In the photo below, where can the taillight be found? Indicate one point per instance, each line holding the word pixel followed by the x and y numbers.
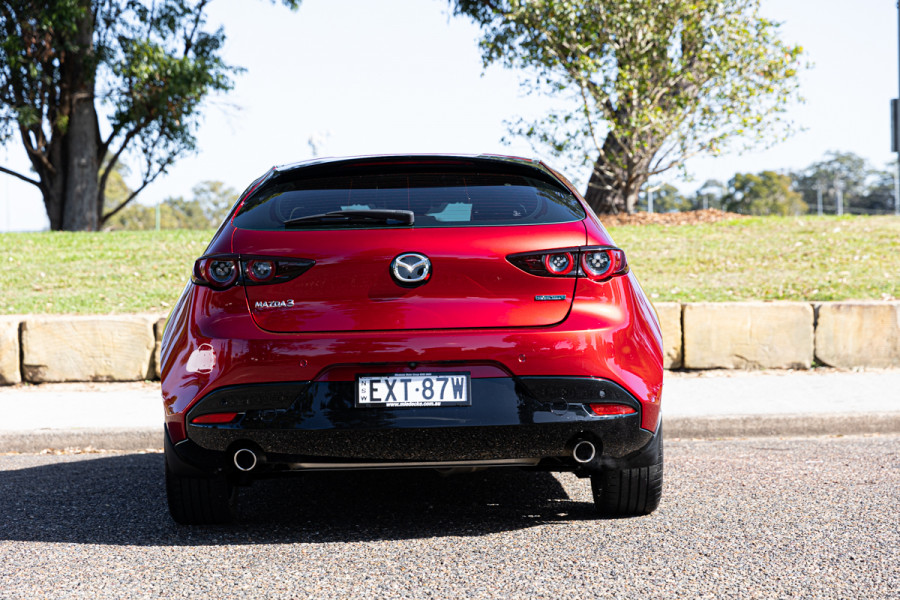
pixel 602 264
pixel 597 263
pixel 560 263
pixel 260 271
pixel 221 271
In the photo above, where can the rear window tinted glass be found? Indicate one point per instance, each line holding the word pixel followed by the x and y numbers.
pixel 436 199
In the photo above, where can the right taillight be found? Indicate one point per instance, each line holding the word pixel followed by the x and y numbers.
pixel 603 263
pixel 221 271
pixel 596 263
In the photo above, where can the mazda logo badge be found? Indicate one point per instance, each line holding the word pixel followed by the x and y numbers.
pixel 411 269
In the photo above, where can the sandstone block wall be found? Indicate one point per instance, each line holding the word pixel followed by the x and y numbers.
pixel 114 348
pixel 10 372
pixel 739 335
pixel 858 334
pixel 670 322
pixel 748 335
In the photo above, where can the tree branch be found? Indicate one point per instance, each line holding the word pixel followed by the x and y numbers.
pixel 131 197
pixel 189 39
pixel 20 176
pixel 110 165
pixel 147 181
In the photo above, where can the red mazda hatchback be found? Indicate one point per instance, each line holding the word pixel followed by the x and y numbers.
pixel 395 312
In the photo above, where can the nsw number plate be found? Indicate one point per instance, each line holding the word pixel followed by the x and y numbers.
pixel 413 389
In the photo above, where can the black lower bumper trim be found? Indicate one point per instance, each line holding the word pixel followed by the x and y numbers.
pixel 509 419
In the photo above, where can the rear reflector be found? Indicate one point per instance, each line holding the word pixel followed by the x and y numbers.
pixel 605 410
pixel 214 418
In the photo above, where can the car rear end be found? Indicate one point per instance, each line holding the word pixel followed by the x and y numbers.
pixel 406 312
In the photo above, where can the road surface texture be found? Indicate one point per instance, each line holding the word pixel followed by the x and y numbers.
pixel 741 518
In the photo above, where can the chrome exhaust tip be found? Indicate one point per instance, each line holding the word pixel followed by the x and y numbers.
pixel 584 452
pixel 245 459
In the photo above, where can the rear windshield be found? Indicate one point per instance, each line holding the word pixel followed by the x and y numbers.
pixel 436 199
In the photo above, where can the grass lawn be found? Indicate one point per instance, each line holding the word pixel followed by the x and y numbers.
pixel 96 273
pixel 765 258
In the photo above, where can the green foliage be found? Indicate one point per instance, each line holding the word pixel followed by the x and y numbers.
pixel 648 83
pixel 147 66
pixel 865 189
pixel 709 195
pixel 767 193
pixel 666 198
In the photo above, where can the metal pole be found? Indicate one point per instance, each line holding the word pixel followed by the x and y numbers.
pixel 819 188
pixel 839 189
pixel 897 188
pixel 650 200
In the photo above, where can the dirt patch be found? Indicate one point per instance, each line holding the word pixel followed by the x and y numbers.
pixel 692 217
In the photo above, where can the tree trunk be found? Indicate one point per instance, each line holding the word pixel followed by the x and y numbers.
pixel 69 183
pixel 602 193
pixel 615 180
pixel 80 212
pixel 81 137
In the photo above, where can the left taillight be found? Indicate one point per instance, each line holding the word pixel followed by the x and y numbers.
pixel 597 263
pixel 221 271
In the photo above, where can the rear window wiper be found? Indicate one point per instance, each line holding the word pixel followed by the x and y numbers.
pixel 394 218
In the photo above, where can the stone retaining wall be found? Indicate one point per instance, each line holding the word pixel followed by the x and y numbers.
pixel 739 335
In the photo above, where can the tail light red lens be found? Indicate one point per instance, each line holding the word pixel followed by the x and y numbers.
pixel 222 273
pixel 561 263
pixel 260 271
pixel 607 410
pixel 225 270
pixel 597 263
pixel 602 264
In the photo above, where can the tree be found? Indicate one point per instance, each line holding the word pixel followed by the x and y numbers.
pixel 666 198
pixel 210 203
pixel 879 196
pixel 768 193
pixel 845 169
pixel 145 66
pixel 709 195
pixel 215 199
pixel 654 82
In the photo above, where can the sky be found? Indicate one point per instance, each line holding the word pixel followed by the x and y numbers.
pixel 395 76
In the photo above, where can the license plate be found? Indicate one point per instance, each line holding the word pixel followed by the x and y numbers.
pixel 414 389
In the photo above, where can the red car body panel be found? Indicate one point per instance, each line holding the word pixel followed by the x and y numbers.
pixel 350 287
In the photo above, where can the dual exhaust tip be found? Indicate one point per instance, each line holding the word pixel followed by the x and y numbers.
pixel 584 451
pixel 245 460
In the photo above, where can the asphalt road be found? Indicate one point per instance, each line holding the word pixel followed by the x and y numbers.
pixel 752 518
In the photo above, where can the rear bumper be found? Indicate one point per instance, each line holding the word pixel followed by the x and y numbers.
pixel 526 421
pixel 212 345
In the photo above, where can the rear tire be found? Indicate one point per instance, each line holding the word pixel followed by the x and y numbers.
pixel 629 492
pixel 200 500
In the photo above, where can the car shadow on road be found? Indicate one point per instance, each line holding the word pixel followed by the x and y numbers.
pixel 120 500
